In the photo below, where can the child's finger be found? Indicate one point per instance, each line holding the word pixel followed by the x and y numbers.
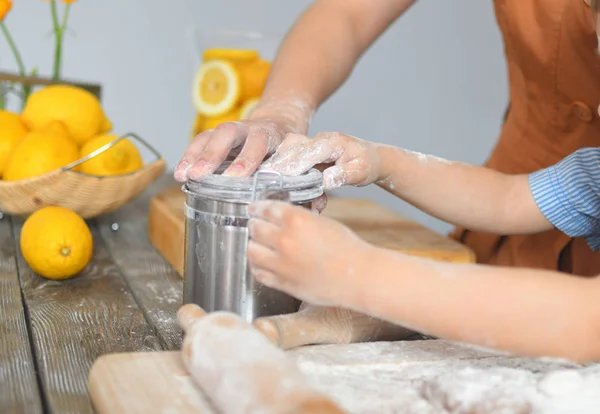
pixel 319 204
pixel 265 277
pixel 344 174
pixel 290 141
pixel 264 233
pixel 268 210
pixel 260 257
pixel 301 158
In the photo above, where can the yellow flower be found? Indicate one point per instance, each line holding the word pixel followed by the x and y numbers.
pixel 5 6
pixel 64 1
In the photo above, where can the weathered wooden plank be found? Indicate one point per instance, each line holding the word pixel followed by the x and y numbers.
pixel 156 286
pixel 19 392
pixel 75 321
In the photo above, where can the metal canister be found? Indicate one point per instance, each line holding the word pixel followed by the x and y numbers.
pixel 216 273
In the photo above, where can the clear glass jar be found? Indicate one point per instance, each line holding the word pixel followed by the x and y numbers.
pixel 231 71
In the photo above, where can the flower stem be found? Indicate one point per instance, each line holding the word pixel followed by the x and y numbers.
pixel 27 88
pixel 3 93
pixel 20 65
pixel 65 17
pixel 13 47
pixel 59 33
pixel 58 41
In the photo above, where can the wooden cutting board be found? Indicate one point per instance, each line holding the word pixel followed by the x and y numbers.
pixel 371 221
pixel 377 377
pixel 157 382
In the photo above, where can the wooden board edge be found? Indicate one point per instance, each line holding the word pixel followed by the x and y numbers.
pixel 99 395
pixel 158 209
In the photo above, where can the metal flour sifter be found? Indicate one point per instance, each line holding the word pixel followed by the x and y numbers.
pixel 216 273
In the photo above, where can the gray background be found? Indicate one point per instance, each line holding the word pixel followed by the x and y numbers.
pixel 435 82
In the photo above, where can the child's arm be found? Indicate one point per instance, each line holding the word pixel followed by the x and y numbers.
pixel 565 195
pixel 474 197
pixel 526 311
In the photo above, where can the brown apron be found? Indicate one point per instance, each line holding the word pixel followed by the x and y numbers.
pixel 554 86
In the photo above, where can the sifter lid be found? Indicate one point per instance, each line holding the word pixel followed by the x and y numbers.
pixel 301 188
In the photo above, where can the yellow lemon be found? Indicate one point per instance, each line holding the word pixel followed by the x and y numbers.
pixel 233 55
pixel 12 130
pixel 212 122
pixel 56 243
pixel 56 128
pixel 247 107
pixel 216 88
pixel 121 158
pixel 39 153
pixel 78 110
pixel 253 77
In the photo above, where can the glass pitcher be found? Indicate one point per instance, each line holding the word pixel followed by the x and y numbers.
pixel 230 74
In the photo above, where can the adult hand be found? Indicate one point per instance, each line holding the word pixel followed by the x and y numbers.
pixel 250 140
pixel 313 258
pixel 344 159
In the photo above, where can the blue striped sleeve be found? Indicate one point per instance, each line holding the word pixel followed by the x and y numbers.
pixel 568 194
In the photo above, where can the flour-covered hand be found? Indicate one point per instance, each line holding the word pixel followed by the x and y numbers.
pixel 344 159
pixel 250 140
pixel 313 258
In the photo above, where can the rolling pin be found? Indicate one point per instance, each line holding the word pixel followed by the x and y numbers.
pixel 241 371
pixel 313 325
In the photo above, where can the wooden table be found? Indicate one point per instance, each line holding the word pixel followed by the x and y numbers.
pixel 126 301
pixel 51 332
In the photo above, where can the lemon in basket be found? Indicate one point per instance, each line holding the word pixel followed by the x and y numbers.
pixel 216 88
pixel 39 153
pixel 12 130
pixel 79 111
pixel 122 158
pixel 56 242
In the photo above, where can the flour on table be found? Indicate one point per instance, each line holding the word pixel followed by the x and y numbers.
pixel 427 377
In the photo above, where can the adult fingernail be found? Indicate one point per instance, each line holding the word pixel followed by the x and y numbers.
pixel 235 170
pixel 181 170
pixel 198 170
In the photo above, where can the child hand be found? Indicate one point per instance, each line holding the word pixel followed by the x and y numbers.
pixel 310 257
pixel 345 160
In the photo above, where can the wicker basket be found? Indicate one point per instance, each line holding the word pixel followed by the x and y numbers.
pixel 87 195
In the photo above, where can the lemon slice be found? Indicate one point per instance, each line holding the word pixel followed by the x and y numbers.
pixel 216 88
pixel 254 77
pixel 247 107
pixel 234 55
